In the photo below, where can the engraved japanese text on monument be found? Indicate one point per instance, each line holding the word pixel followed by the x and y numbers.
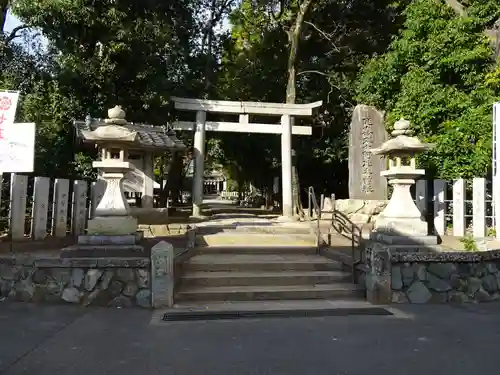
pixel 366 160
pixel 366 132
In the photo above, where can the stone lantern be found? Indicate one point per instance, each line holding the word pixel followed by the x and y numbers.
pixel 112 213
pixel 401 221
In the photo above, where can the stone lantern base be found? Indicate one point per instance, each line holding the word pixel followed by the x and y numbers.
pixel 112 225
pixel 404 231
pixel 108 237
pixel 411 227
pixel 401 222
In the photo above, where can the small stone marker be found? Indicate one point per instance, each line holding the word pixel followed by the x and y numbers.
pixel 18 190
pixel 367 131
pixel 162 275
pixel 79 207
pixel 327 205
pixel 60 208
pixel 40 208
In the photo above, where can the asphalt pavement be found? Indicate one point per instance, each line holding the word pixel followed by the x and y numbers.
pixel 423 340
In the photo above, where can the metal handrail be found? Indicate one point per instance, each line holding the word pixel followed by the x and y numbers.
pixel 356 235
pixel 313 205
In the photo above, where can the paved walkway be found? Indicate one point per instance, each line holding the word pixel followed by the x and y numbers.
pixel 63 340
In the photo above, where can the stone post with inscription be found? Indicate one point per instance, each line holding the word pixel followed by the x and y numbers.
pixel 366 132
pixel 162 275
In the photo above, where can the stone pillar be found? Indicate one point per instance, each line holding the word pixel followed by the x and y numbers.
pixel 286 165
pixel 224 185
pixel 378 279
pixel 148 181
pixel 162 275
pixel 199 156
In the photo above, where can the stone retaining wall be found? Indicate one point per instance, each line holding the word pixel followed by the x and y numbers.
pixel 453 277
pixel 118 282
pixel 142 281
pixel 445 282
pixel 358 211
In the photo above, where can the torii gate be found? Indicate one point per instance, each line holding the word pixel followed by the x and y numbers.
pixel 243 109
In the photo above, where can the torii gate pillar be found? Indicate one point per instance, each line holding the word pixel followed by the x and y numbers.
pixel 199 161
pixel 286 166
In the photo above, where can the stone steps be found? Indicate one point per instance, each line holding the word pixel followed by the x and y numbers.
pixel 303 229
pixel 247 265
pixel 255 250
pixel 264 278
pixel 271 292
pixel 260 262
pixel 261 274
pixel 232 238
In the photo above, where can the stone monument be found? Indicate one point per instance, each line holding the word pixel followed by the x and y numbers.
pixel 401 222
pixel 367 131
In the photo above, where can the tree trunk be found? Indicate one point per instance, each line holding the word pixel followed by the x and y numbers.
pixel 291 94
pixel 456 6
pixel 163 196
pixel 209 41
pixel 4 7
pixel 174 178
pixel 241 187
pixel 496 39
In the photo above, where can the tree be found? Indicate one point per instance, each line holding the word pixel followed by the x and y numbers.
pixel 124 52
pixel 439 73
pixel 336 39
pixel 7 37
pixel 101 54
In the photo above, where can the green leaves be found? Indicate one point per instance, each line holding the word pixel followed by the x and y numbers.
pixel 439 74
pixel 100 53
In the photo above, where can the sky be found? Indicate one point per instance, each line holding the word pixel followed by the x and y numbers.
pixel 11 22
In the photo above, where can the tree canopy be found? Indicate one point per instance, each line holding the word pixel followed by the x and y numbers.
pixel 430 61
pixel 439 73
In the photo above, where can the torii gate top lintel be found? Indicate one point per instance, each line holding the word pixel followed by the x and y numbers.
pixel 263 108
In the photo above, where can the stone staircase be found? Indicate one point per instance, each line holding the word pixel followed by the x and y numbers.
pixel 284 273
pixel 241 269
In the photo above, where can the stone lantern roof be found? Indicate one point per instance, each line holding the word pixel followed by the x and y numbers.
pixel 117 128
pixel 402 143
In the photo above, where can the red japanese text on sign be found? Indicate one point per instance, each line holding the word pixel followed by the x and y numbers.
pixel 2 119
pixel 5 103
pixel 8 105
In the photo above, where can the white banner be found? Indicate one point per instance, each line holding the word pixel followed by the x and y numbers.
pixel 17 148
pixel 8 106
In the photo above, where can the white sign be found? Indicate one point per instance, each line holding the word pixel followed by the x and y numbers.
pixel 17 148
pixel 8 106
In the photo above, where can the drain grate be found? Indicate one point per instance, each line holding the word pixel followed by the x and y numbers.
pixel 179 316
